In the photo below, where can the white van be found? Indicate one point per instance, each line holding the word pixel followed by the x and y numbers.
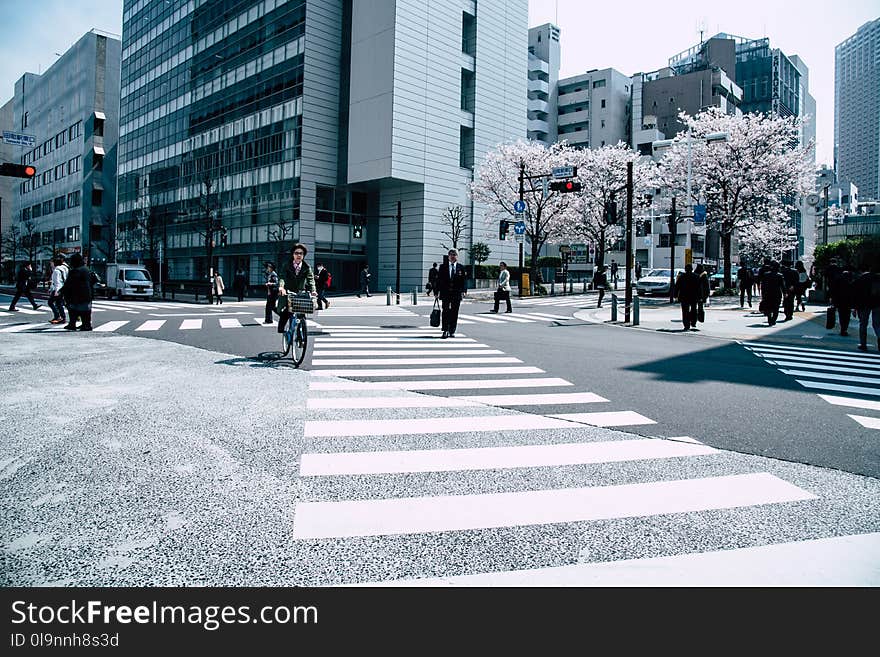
pixel 129 281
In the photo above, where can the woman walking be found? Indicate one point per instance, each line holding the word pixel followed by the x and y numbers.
pixel 503 291
pixel 217 288
pixel 802 286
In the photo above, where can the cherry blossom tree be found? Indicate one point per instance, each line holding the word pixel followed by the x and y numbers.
pixel 602 173
pixel 766 239
pixel 496 184
pixel 756 172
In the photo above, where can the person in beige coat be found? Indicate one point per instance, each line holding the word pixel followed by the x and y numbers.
pixel 217 288
pixel 503 291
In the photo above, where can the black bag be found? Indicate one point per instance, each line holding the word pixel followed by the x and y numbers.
pixel 435 314
pixel 829 317
pixel 701 314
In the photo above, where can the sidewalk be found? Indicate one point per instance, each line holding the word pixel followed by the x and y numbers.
pixel 726 320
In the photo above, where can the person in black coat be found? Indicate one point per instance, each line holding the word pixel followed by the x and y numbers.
pixel 772 289
pixel 791 288
pixel 432 279
pixel 600 282
pixel 744 282
pixel 840 288
pixel 239 283
pixel 23 283
pixel 451 286
pixel 688 293
pixel 866 300
pixel 77 293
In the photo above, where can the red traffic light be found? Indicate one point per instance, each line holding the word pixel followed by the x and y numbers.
pixel 565 186
pixel 17 170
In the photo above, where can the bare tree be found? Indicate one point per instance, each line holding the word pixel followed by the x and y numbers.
pixel 30 240
pixel 10 245
pixel 454 219
pixel 281 232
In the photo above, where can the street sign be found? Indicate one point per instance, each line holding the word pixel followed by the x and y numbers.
pixel 519 228
pixel 17 139
pixel 518 237
pixel 699 215
pixel 518 216
pixel 564 172
pixel 519 207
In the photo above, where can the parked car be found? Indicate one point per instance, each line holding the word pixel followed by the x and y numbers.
pixel 655 281
pixel 717 279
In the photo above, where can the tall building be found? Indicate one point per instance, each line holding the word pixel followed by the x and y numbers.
pixel 543 83
pixel 594 108
pixel 857 110
pixel 8 190
pixel 72 110
pixel 312 120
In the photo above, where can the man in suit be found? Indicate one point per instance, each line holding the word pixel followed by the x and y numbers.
pixel 451 285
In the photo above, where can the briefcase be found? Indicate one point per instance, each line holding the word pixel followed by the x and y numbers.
pixel 435 314
pixel 829 317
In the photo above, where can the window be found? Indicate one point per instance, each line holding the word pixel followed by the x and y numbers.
pixel 97 197
pixel 47 177
pixel 468 33
pixel 37 211
pixel 598 84
pixel 24 121
pixel 47 207
pixel 59 171
pixel 603 103
pixel 99 162
pixel 73 164
pixel 466 148
pixel 60 204
pixel 25 214
pixel 99 127
pixel 73 234
pixel 603 123
pixel 468 90
pixel 73 199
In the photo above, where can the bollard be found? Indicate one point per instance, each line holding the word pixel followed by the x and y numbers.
pixel 388 296
pixel 552 289
pixel 571 287
pixel 585 287
pixel 635 314
pixel 415 298
pixel 613 307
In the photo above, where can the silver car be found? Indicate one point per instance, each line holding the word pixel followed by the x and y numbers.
pixel 655 281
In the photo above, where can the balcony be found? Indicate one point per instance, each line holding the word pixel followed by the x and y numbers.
pixel 538 65
pixel 539 88
pixel 539 106
pixel 581 138
pixel 537 125
pixel 574 117
pixel 574 98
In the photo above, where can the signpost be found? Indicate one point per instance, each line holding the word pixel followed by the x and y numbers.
pixel 519 207
pixel 699 215
pixel 17 139
pixel 564 172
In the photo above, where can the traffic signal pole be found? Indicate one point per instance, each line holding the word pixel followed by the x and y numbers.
pixel 522 173
pixel 399 218
pixel 629 240
pixel 672 231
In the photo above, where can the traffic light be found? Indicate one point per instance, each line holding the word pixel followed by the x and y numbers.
pixel 611 211
pixel 565 186
pixel 503 227
pixel 17 170
pixel 357 231
pixel 222 235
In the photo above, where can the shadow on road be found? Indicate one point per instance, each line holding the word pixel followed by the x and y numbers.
pixel 273 359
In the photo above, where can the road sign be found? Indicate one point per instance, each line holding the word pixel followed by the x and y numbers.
pixel 518 237
pixel 564 172
pixel 519 207
pixel 17 139
pixel 519 228
pixel 699 215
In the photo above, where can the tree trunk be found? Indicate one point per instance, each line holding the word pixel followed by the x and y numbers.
pixel 533 269
pixel 725 250
pixel 600 252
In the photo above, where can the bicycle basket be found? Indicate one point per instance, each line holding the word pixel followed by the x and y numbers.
pixel 301 303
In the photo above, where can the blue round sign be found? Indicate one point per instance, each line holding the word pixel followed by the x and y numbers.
pixel 519 206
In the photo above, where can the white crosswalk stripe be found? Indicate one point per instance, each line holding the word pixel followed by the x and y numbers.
pixel 151 325
pixel 111 326
pixel 828 370
pixel 190 324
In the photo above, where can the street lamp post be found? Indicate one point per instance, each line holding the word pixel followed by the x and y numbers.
pixel 629 236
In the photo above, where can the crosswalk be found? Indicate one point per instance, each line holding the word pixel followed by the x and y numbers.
pixel 141 326
pixel 516 317
pixel 382 459
pixel 576 300
pixel 842 378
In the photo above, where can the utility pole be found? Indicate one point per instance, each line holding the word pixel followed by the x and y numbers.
pixel 672 231
pixel 522 174
pixel 629 240
pixel 397 281
pixel 825 217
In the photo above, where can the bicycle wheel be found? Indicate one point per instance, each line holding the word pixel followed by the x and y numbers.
pixel 287 337
pixel 300 341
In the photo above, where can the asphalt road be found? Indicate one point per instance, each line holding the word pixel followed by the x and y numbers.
pixel 713 390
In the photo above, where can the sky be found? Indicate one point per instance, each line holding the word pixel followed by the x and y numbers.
pixel 629 36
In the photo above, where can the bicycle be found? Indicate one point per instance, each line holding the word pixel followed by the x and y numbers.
pixel 296 333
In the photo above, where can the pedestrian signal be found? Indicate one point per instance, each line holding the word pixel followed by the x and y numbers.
pixel 357 231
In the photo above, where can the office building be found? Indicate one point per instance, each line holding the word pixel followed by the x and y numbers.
pixel 311 121
pixel 543 83
pixel 8 190
pixel 594 108
pixel 857 110
pixel 71 110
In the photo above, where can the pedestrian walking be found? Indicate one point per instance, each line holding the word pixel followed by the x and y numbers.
pixel 638 270
pixel 271 291
pixel 217 288
pixel 365 281
pixel 297 277
pixel 772 290
pixel 705 291
pixel 24 283
pixel 866 300
pixel 451 286
pixel 744 283
pixel 77 292
pixel 432 279
pixel 600 282
pixel 688 293
pixel 840 281
pixel 791 286
pixel 802 286
pixel 323 280
pixel 614 268
pixel 239 283
pixel 503 291
pixel 56 301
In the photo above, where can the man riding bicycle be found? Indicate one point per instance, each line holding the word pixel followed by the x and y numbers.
pixel 296 277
